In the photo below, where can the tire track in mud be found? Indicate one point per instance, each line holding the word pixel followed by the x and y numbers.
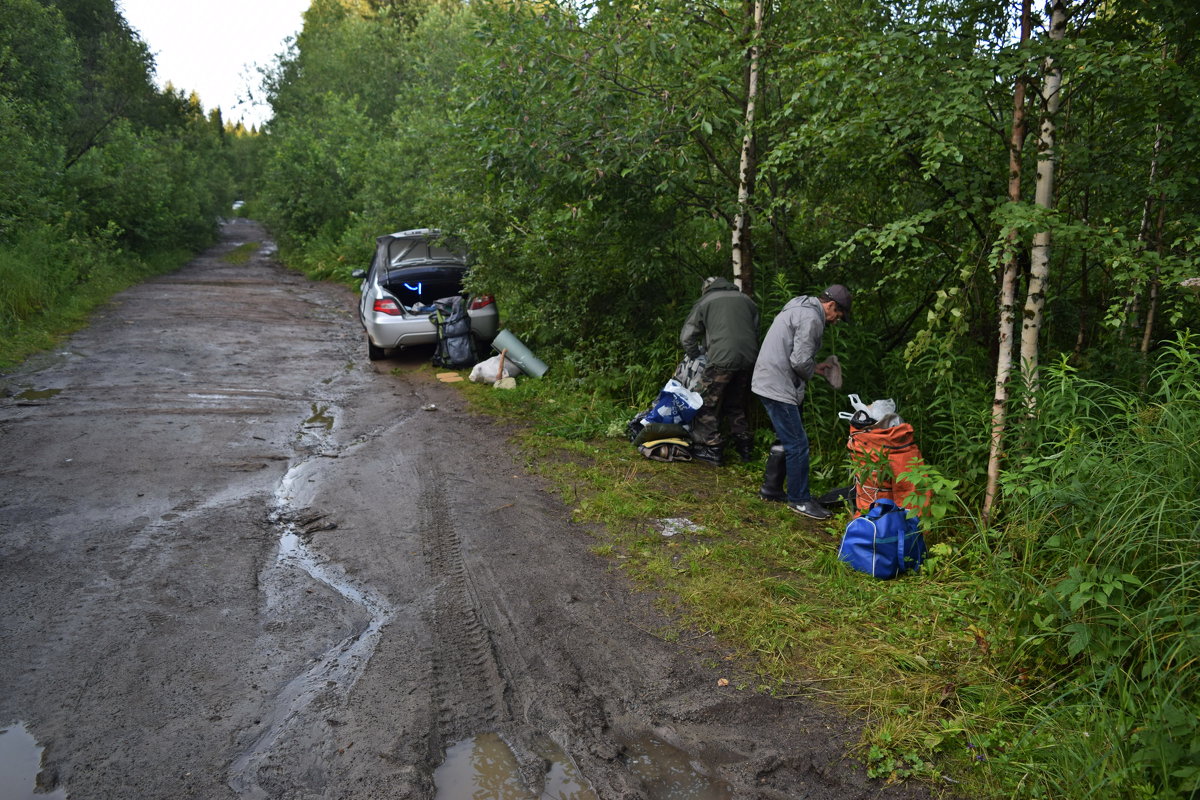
pixel 337 670
pixel 470 692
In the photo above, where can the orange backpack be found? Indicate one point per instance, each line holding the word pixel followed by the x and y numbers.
pixel 879 456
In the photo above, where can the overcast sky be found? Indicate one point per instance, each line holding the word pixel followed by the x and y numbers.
pixel 212 47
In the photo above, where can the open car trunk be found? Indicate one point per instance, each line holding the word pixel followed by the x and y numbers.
pixel 418 287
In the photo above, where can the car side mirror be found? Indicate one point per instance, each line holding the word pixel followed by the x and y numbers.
pixel 359 274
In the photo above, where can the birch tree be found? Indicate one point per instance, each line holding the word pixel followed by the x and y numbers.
pixel 1008 283
pixel 743 267
pixel 1039 268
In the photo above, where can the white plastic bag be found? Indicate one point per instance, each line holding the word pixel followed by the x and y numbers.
pixel 881 408
pixel 489 371
pixel 879 414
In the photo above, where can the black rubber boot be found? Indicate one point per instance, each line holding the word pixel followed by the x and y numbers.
pixel 772 487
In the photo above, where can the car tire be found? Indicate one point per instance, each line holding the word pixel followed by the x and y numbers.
pixel 373 353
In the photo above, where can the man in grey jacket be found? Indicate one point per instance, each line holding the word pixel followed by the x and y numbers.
pixel 725 322
pixel 786 363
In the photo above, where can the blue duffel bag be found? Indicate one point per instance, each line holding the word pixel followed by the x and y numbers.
pixel 885 542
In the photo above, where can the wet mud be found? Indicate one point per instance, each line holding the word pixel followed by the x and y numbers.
pixel 239 560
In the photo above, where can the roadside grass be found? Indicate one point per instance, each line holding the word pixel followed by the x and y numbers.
pixel 1045 656
pixel 242 253
pixel 903 654
pixel 48 293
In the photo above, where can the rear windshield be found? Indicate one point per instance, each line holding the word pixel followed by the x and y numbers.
pixel 422 286
pixel 401 251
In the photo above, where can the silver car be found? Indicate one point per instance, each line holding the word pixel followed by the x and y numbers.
pixel 411 270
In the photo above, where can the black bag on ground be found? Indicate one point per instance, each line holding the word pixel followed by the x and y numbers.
pixel 666 450
pixel 455 344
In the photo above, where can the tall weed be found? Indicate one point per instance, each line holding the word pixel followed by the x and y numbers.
pixel 1096 577
pixel 34 270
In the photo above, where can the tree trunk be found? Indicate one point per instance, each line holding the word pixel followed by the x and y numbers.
pixel 1039 268
pixel 1008 286
pixel 1144 237
pixel 743 266
pixel 1155 282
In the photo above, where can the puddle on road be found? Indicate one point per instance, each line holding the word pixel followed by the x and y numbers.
pixel 38 394
pixel 320 416
pixel 484 766
pixel 20 763
pixel 668 773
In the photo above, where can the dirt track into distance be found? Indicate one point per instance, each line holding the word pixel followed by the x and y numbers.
pixel 238 560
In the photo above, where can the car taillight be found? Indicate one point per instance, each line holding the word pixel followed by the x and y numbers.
pixel 387 305
pixel 480 301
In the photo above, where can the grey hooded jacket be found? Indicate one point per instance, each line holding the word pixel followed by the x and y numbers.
pixel 787 358
pixel 725 321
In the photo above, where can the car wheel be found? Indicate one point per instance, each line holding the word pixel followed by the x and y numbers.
pixel 374 353
pixel 483 347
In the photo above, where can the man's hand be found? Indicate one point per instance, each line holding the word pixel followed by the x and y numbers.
pixel 831 370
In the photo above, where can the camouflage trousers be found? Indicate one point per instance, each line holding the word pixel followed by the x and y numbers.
pixel 725 393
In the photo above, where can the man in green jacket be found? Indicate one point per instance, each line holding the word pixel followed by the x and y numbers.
pixel 723 325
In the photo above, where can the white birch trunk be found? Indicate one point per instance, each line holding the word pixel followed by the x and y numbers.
pixel 1008 289
pixel 1155 283
pixel 740 251
pixel 1039 267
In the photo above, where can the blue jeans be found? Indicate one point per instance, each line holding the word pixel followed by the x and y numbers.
pixel 789 429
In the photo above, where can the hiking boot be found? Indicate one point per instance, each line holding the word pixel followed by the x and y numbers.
pixel 811 509
pixel 744 447
pixel 707 454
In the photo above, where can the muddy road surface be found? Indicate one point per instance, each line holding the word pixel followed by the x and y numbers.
pixel 239 560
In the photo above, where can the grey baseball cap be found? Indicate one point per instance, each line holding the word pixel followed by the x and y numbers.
pixel 840 295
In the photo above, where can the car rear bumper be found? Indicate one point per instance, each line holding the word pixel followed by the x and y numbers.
pixel 391 332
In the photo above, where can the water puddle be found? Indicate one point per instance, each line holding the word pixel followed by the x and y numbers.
pixel 321 417
pixel 20 763
pixel 668 773
pixel 484 766
pixel 38 394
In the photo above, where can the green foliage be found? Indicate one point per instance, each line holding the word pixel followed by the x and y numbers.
pixel 103 173
pixel 1100 580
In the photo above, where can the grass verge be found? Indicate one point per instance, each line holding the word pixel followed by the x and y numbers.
pixel 42 317
pixel 903 654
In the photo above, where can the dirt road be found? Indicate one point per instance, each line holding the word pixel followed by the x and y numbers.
pixel 239 560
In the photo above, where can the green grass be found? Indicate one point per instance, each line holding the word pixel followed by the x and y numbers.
pixel 1051 656
pixel 49 288
pixel 242 253
pixel 769 583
